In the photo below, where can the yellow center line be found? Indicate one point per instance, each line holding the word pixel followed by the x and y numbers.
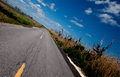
pixel 19 72
pixel 41 37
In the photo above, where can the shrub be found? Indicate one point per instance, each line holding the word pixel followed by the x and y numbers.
pixel 101 67
pixel 100 51
pixel 79 47
pixel 59 42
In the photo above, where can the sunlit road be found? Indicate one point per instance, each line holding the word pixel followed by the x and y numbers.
pixel 30 52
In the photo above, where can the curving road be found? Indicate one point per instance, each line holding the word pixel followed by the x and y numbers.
pixel 30 52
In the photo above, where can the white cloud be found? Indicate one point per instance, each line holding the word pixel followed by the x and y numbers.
pixel 75 18
pixel 88 11
pixel 57 25
pixel 65 16
pixel 68 26
pixel 50 24
pixel 52 7
pixel 100 1
pixel 39 13
pixel 42 3
pixel 66 31
pixel 40 16
pixel 105 18
pixel 112 6
pixel 22 1
pixel 89 35
pixel 76 23
pixel 37 6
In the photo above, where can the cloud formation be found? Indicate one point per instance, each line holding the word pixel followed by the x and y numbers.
pixel 105 18
pixel 52 7
pixel 89 35
pixel 42 3
pixel 76 23
pixel 68 26
pixel 39 15
pixel 22 1
pixel 37 7
pixel 100 1
pixel 88 11
pixel 110 11
pixel 110 6
pixel 65 16
pixel 75 18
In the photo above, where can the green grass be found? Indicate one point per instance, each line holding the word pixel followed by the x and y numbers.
pixel 14 8
pixel 77 56
pixel 5 18
pixel 13 16
pixel 39 26
pixel 8 15
pixel 59 42
pixel 102 67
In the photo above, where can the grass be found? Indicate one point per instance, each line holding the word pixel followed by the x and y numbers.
pixel 104 66
pixel 62 42
pixel 39 26
pixel 9 15
pixel 5 18
pixel 101 67
pixel 20 19
pixel 14 8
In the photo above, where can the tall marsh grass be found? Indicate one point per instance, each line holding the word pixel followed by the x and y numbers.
pixel 91 63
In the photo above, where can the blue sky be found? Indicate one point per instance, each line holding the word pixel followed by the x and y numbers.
pixel 92 20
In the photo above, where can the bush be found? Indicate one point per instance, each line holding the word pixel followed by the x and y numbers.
pixel 79 47
pixel 4 18
pixel 59 42
pixel 102 67
pixel 76 56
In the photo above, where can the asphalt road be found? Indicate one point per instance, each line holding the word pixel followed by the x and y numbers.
pixel 30 52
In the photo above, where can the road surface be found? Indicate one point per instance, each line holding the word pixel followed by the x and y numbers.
pixel 30 52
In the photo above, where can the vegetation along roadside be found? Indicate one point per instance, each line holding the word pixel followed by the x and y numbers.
pixel 92 62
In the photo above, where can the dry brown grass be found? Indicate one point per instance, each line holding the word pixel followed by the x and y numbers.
pixel 104 66
pixel 66 43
